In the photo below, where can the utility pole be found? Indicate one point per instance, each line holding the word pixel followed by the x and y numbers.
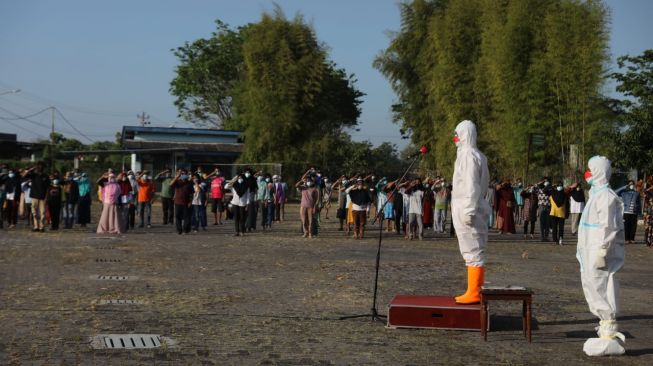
pixel 143 119
pixel 52 143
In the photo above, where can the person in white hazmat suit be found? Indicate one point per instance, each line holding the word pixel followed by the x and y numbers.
pixel 600 252
pixel 469 209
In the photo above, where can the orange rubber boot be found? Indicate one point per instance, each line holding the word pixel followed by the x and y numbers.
pixel 475 279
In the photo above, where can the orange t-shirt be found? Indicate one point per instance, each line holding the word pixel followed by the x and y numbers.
pixel 145 191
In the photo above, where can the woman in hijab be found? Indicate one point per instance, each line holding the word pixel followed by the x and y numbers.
pixel 576 206
pixel 110 218
pixel 559 212
pixel 84 205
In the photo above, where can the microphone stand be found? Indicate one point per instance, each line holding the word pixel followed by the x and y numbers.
pixel 374 315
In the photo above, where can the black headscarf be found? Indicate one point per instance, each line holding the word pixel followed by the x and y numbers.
pixel 578 195
pixel 559 197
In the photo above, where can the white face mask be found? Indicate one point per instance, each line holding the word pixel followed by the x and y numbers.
pixel 240 180
pixel 11 175
pixel 559 188
pixel 247 175
pixel 308 184
pixel 630 186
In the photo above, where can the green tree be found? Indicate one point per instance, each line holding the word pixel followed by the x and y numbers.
pixel 514 67
pixel 635 145
pixel 209 70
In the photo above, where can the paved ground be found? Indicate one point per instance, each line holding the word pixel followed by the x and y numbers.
pixel 275 298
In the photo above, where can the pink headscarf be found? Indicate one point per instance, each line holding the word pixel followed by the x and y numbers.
pixel 111 190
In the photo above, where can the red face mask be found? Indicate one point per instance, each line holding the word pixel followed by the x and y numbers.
pixel 456 139
pixel 588 176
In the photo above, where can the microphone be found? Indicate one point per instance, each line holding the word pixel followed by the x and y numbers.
pixel 422 151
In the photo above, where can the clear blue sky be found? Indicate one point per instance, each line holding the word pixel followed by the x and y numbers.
pixel 103 62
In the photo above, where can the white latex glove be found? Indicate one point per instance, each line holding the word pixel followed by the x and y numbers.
pixel 469 219
pixel 600 259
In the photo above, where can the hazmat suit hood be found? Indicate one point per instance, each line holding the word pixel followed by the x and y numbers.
pixel 601 170
pixel 466 131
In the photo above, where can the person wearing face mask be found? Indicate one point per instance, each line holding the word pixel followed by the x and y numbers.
pixel 133 198
pixel 600 253
pixel 263 197
pixel 327 191
pixel 309 200
pixel 26 186
pixel 632 209
pixel 110 219
pixel 505 206
pixel 361 200
pixel 427 204
pixel 648 212
pixel 440 206
pixel 239 201
pixel 280 193
pixel 12 196
pixel 544 191
pixel 125 204
pixel 145 198
pixel 517 189
pixel 389 209
pixel 183 201
pixel 576 206
pixel 199 203
pixel 414 191
pixel 71 198
pixel 40 184
pixel 469 209
pixel 53 198
pixel 167 194
pixel 217 195
pixel 529 212
pixel 84 205
pixel 252 204
pixel 558 213
pixel 340 186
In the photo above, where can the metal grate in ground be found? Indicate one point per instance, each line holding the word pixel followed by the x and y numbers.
pixel 129 341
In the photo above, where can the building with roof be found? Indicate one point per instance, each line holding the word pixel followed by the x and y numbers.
pixel 158 148
pixel 12 149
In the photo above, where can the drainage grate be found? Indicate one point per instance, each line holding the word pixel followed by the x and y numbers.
pixel 120 302
pixel 105 260
pixel 113 278
pixel 129 341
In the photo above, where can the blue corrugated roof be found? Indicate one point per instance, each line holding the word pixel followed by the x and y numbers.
pixel 176 130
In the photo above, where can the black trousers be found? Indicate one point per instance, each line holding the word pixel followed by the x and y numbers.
pixel 239 218
pixel 182 218
pixel 545 222
pixel 168 210
pixel 132 215
pixel 55 214
pixel 630 226
pixel 526 227
pixel 252 209
pixel 558 225
pixel 399 213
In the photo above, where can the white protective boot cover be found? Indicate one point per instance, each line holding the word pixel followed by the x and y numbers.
pixel 609 343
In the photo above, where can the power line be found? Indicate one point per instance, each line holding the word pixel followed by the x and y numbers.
pixel 72 126
pixel 24 117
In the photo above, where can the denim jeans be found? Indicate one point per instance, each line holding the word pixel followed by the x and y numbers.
pixel 145 210
pixel 69 215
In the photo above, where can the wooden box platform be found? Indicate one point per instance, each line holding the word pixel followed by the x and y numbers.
pixel 438 312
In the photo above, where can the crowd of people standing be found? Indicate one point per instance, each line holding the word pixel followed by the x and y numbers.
pixel 254 199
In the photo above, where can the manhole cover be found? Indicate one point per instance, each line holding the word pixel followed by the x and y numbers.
pixel 120 302
pixel 129 341
pixel 112 278
pixel 107 260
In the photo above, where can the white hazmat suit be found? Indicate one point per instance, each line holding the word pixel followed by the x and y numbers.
pixel 469 210
pixel 600 252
